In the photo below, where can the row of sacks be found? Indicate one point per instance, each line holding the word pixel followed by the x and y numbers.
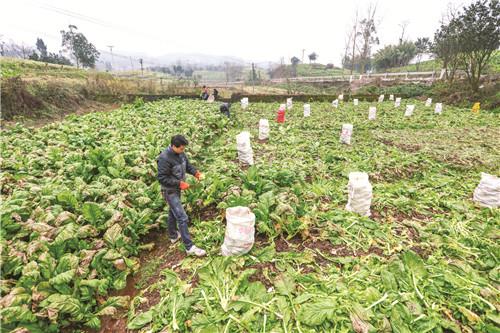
pixel 397 102
pixel 244 146
pixel 438 109
pixel 372 110
pixel 240 228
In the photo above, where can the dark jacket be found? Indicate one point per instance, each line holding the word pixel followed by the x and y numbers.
pixel 224 108
pixel 172 168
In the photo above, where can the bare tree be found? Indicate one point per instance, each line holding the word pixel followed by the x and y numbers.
pixel 368 34
pixel 354 37
pixel 403 25
pixel 345 56
pixel 14 50
pixel 446 44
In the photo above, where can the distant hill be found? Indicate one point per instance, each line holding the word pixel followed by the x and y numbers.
pixel 130 61
pixel 198 58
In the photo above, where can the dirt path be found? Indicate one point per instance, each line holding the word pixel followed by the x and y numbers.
pixel 168 255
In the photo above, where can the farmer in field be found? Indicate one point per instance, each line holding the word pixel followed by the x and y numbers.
pixel 204 93
pixel 215 93
pixel 224 108
pixel 172 168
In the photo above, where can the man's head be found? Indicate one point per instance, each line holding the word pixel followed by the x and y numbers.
pixel 178 143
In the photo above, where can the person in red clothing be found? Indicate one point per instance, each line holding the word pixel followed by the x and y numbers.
pixel 172 168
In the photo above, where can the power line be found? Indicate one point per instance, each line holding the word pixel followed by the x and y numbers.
pixel 100 22
pixel 73 14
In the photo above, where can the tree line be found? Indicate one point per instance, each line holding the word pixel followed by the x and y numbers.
pixel 82 53
pixel 465 41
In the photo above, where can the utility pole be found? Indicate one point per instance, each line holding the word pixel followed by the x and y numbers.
pixel 253 77
pixel 354 42
pixel 142 69
pixel 112 58
pixel 303 50
pixel 131 63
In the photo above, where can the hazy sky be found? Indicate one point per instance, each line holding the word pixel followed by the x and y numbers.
pixel 258 30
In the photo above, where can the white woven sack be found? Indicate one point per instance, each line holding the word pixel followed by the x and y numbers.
pixel 487 193
pixel 263 129
pixel 240 231
pixel 359 193
pixel 245 152
pixel 345 135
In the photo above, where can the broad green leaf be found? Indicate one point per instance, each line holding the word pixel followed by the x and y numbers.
pixel 414 264
pixel 140 320
pixel 64 277
pixel 113 234
pixel 315 314
pixel 67 198
pixel 92 212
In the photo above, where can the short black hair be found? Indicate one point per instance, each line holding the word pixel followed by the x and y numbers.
pixel 179 140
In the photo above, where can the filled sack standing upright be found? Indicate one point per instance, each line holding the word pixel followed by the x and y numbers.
pixel 307 110
pixel 391 97
pixel 289 103
pixel 359 193
pixel 372 113
pixel 397 103
pixel 346 133
pixel 438 108
pixel 381 98
pixel 240 231
pixel 356 102
pixel 476 107
pixel 428 102
pixel 335 103
pixel 263 129
pixel 245 152
pixel 244 102
pixel 487 193
pixel 409 110
pixel 341 97
pixel 280 118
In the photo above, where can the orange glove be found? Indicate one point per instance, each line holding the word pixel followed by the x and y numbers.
pixel 197 175
pixel 183 186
